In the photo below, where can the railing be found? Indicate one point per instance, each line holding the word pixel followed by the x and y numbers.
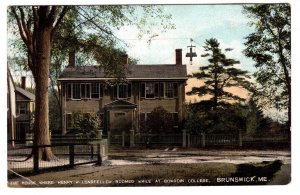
pixel 26 158
pixel 221 139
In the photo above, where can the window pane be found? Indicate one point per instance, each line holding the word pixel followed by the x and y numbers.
pixel 76 91
pixel 95 90
pixel 122 91
pixel 83 91
pixel 149 88
pixel 169 90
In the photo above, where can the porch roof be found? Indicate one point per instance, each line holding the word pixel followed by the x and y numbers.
pixel 120 104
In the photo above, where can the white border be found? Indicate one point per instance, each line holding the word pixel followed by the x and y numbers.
pixel 288 189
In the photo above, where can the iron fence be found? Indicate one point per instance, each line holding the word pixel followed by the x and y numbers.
pixel 26 158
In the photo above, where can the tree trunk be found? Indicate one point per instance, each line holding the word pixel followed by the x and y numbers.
pixel 41 123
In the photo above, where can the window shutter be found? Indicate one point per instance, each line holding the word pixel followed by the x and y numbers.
pixel 175 87
pixel 101 89
pixel 161 90
pixel 142 90
pixel 156 90
pixel 129 90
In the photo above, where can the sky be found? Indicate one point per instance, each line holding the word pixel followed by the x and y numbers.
pixel 226 23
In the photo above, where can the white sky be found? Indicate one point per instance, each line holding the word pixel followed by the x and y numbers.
pixel 199 22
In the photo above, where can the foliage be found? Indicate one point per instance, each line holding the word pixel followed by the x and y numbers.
pixel 219 74
pixel 270 47
pixel 86 123
pixel 159 121
pixel 231 118
pixel 54 113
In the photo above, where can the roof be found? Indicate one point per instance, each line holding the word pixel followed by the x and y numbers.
pixel 133 72
pixel 26 93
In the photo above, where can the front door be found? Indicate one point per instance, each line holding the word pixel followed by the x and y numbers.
pixel 120 122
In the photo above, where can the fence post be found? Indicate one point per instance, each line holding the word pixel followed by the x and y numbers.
pixel 131 138
pixel 240 139
pixel 35 152
pixel 203 140
pixel 184 138
pixel 71 153
pixel 123 138
pixel 99 157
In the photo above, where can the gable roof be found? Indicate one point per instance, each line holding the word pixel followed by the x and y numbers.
pixel 25 93
pixel 133 72
pixel 120 104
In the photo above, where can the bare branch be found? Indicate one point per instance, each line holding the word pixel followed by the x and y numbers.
pixel 61 16
pixel 19 23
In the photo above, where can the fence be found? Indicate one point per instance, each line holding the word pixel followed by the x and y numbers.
pixel 26 158
pixel 154 139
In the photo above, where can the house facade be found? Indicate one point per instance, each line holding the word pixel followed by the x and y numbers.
pixel 124 106
pixel 20 107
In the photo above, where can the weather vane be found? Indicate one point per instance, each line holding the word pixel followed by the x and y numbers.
pixel 191 54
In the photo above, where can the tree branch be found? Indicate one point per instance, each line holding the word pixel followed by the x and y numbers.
pixel 19 23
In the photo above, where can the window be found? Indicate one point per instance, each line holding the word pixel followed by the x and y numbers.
pixel 95 90
pixel 171 90
pixel 76 91
pixel 122 91
pixel 152 90
pixel 22 108
pixel 85 90
pixel 149 90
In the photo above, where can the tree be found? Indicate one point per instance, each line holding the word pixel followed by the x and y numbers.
pixel 159 121
pixel 37 26
pixel 218 75
pixel 86 123
pixel 270 47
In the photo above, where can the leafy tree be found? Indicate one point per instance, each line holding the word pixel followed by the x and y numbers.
pixel 36 26
pixel 86 123
pixel 219 74
pixel 270 47
pixel 159 121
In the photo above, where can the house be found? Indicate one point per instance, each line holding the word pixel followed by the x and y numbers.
pixel 20 108
pixel 123 106
pixel 11 108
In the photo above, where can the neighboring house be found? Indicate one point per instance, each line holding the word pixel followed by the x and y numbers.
pixel 123 106
pixel 25 105
pixel 11 108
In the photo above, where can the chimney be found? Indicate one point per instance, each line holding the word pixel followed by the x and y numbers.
pixel 72 58
pixel 178 56
pixel 125 59
pixel 23 82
